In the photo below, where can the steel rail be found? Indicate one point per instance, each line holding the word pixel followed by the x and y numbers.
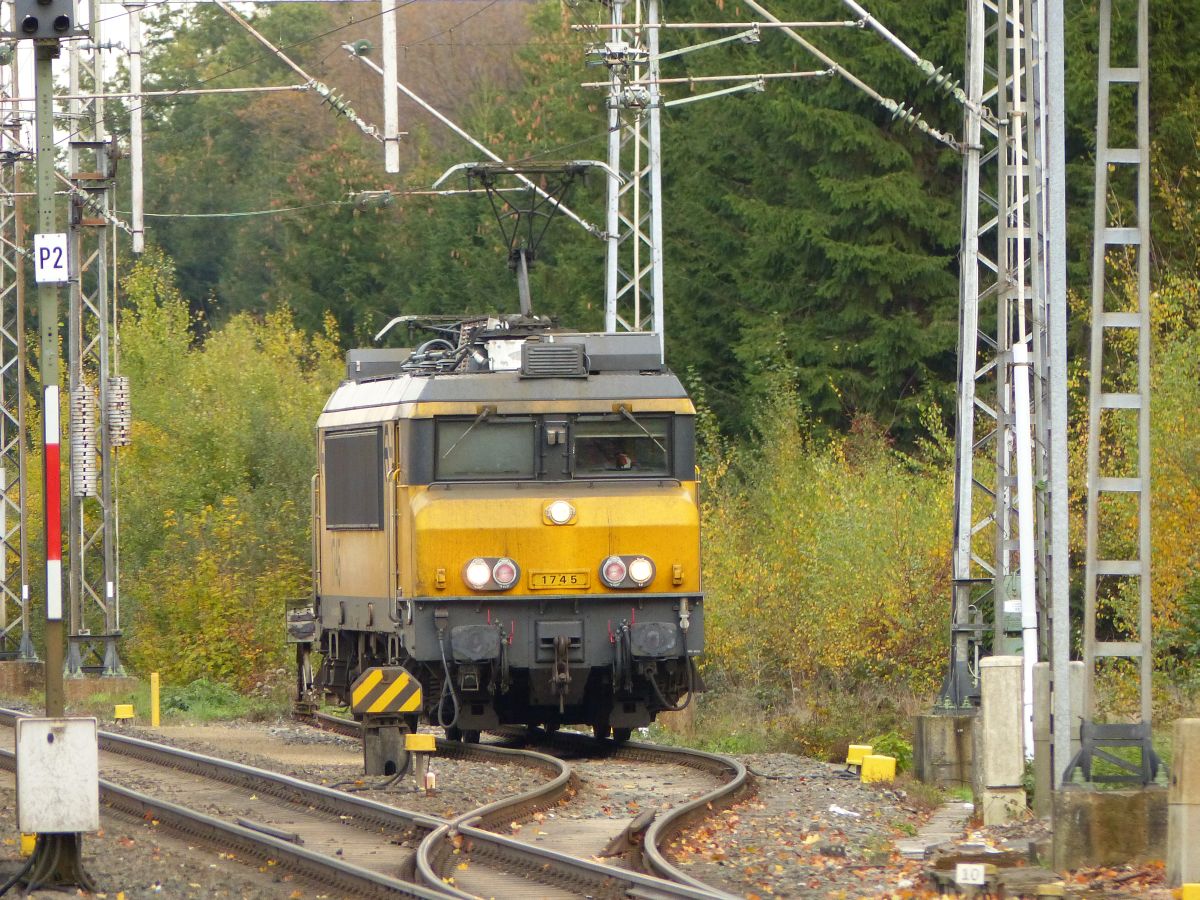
pixel 326 870
pixel 585 876
pixel 334 803
pixel 666 825
pixel 597 879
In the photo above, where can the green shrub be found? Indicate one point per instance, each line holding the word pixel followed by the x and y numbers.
pixel 202 695
pixel 892 744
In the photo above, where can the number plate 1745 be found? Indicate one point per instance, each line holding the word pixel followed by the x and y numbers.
pixel 550 581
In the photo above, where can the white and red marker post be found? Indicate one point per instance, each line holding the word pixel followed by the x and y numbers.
pixel 52 481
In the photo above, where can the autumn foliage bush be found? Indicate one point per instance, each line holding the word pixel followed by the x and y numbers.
pixel 215 485
pixel 826 565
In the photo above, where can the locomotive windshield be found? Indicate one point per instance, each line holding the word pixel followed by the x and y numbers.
pixel 613 446
pixel 491 447
pixel 486 447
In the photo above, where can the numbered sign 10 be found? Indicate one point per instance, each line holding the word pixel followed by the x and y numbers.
pixel 970 873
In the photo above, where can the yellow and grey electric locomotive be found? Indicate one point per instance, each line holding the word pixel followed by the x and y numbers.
pixel 506 530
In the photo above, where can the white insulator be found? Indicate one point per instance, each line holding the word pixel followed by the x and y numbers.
pixel 85 448
pixel 120 412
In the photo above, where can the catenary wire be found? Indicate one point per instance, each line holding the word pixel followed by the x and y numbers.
pixel 287 209
pixel 261 56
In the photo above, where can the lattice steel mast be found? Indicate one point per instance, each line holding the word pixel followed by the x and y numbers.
pixel 95 622
pixel 1004 267
pixel 633 292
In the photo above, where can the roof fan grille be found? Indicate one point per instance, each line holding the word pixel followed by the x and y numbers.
pixel 553 361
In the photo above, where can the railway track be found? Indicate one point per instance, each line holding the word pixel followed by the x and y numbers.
pixel 352 845
pixel 470 859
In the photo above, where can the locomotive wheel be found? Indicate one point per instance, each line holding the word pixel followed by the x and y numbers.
pixel 621 735
pixel 469 736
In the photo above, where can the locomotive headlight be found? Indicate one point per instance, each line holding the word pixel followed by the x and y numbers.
pixel 477 574
pixel 560 512
pixel 613 571
pixel 504 572
pixel 641 571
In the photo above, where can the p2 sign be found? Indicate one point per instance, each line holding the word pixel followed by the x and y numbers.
pixel 50 259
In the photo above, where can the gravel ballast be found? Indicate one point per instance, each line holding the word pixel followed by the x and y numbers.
pixel 810 830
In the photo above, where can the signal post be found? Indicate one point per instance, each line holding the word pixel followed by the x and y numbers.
pixel 57 857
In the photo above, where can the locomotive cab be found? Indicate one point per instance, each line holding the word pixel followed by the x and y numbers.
pixel 519 531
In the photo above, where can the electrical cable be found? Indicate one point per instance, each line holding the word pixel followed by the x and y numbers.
pixel 462 22
pixel 758 774
pixel 239 215
pixel 447 685
pixel 287 209
pixel 279 50
pixel 261 56
pixel 691 689
pixel 354 787
pixel 16 878
pixel 125 12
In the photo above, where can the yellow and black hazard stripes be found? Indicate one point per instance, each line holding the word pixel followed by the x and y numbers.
pixel 385 689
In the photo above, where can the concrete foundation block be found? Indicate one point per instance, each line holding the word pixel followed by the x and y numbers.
pixel 1183 844
pixel 943 752
pixel 1183 814
pixel 1185 763
pixel 1002 759
pixel 19 678
pixel 77 690
pixel 383 749
pixel 1000 805
pixel 1108 828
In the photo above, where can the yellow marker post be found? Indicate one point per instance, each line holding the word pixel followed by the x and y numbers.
pixel 28 842
pixel 154 717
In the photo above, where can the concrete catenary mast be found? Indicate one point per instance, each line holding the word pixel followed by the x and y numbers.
pixel 1119 404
